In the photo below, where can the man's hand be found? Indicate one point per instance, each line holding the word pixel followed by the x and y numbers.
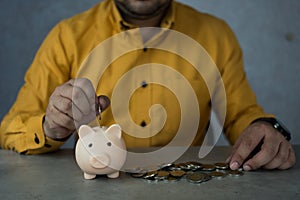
pixel 261 146
pixel 71 105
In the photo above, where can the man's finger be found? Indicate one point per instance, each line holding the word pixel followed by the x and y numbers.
pixel 103 101
pixel 280 157
pixel 86 87
pixel 243 151
pixel 290 161
pixel 57 118
pixel 267 153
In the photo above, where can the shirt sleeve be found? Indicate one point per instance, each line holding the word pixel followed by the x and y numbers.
pixel 242 106
pixel 21 129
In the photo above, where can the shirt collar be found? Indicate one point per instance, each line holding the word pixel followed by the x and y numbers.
pixel 122 25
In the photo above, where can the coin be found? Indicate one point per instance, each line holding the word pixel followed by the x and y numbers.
pixel 221 166
pixel 194 165
pixel 151 179
pixel 166 166
pixel 138 175
pixel 175 167
pixel 162 175
pixel 134 170
pixel 235 173
pixel 183 166
pixel 171 172
pixel 198 177
pixel 217 174
pixel 240 169
pixel 150 175
pixel 177 173
pixel 172 179
pixel 208 167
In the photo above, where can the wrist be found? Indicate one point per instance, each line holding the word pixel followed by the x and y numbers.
pixel 53 133
pixel 276 124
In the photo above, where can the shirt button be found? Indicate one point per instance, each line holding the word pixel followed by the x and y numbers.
pixel 144 84
pixel 36 139
pixel 143 124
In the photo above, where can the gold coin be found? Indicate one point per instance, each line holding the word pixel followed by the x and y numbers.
pixel 172 179
pixel 197 177
pixel 235 173
pixel 177 173
pixel 217 174
pixel 162 173
pixel 208 167
pixel 221 166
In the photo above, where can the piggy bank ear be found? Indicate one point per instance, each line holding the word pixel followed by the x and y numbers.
pixel 84 130
pixel 114 129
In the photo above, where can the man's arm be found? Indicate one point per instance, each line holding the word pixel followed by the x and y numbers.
pixel 242 110
pixel 21 129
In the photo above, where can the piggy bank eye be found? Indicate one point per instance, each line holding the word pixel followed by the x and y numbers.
pixel 90 145
pixel 108 144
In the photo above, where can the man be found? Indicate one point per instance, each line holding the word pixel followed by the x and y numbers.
pixel 55 100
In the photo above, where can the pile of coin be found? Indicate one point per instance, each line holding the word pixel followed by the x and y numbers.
pixel 193 171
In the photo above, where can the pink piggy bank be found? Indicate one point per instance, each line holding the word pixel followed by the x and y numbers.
pixel 100 150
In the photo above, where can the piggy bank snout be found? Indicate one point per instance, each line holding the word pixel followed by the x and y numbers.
pixel 100 161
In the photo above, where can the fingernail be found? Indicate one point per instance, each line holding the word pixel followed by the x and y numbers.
pixel 234 165
pixel 103 101
pixel 247 168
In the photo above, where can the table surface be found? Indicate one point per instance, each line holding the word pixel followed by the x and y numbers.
pixel 57 176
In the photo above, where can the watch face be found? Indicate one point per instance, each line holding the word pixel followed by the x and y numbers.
pixel 282 128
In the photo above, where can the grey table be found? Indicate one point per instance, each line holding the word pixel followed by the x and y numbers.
pixel 57 176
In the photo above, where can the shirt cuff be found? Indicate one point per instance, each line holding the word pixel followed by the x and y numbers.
pixel 36 142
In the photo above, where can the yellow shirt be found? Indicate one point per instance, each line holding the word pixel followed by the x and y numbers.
pixel 62 55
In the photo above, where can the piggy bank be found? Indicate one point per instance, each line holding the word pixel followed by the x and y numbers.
pixel 100 150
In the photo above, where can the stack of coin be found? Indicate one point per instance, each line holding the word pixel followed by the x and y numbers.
pixel 197 177
pixel 193 171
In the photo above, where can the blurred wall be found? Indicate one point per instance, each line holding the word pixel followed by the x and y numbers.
pixel 268 31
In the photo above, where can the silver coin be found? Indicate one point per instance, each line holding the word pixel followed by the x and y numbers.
pixel 165 166
pixel 151 180
pixel 183 166
pixel 194 165
pixel 174 168
pixel 138 175
pixel 150 175
pixel 135 170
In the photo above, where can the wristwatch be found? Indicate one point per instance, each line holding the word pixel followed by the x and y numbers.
pixel 279 126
